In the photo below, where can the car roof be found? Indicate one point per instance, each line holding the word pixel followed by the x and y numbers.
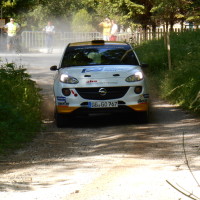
pixel 97 42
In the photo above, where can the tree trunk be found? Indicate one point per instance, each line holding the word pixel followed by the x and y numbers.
pixel 144 32
pixel 169 51
pixel 182 22
pixel 154 30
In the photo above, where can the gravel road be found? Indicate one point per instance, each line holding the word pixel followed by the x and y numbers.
pixel 103 157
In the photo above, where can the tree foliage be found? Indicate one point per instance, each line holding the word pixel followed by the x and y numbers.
pixel 34 14
pixel 82 21
pixel 171 12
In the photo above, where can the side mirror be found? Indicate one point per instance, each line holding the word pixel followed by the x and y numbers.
pixel 53 68
pixel 144 65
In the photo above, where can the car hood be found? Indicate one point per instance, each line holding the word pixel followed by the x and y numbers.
pixel 106 71
pixel 103 76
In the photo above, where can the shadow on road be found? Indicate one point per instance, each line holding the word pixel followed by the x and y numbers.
pixel 87 141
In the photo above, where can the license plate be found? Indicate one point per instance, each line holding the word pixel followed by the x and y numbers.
pixel 103 104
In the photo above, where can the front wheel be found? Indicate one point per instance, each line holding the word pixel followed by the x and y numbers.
pixel 60 120
pixel 143 117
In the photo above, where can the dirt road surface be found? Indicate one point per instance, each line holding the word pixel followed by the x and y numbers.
pixel 103 157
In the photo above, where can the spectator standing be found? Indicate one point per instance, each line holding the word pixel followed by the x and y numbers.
pixel 114 31
pixel 49 33
pixel 106 24
pixel 11 28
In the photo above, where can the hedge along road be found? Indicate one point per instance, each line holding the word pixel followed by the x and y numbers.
pixel 102 157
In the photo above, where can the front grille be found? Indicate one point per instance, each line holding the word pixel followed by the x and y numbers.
pixel 94 94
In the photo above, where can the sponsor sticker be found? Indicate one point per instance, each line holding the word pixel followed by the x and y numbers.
pixel 63 104
pixel 114 69
pixel 146 95
pixel 100 82
pixel 61 99
pixel 143 98
pixel 92 81
pixel 142 101
pixel 95 69
pixel 106 69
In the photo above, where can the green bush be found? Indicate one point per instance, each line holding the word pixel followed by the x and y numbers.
pixel 181 84
pixel 20 117
pixel 155 54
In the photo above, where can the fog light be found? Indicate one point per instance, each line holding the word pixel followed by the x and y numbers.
pixel 66 91
pixel 138 89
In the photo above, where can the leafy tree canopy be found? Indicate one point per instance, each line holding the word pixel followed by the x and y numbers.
pixel 34 14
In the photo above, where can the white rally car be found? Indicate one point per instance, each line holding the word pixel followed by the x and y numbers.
pixel 100 76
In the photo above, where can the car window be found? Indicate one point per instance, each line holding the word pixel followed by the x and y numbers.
pixel 99 55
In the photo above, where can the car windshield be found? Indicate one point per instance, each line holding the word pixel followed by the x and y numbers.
pixel 99 55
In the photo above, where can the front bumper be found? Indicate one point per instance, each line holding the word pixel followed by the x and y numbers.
pixel 65 109
pixel 77 103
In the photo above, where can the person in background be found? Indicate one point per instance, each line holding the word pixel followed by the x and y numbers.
pixel 114 31
pixel 106 24
pixel 49 33
pixel 11 28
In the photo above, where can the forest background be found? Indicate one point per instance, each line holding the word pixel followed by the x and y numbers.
pixel 85 15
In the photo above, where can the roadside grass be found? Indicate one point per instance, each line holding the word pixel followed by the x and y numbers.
pixel 181 85
pixel 20 115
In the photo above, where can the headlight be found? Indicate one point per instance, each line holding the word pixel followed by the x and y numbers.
pixel 138 76
pixel 68 79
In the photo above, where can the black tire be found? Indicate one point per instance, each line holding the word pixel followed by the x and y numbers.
pixel 60 120
pixel 142 117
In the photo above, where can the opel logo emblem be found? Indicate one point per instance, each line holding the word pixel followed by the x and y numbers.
pixel 102 91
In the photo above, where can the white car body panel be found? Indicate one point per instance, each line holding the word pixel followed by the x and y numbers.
pixel 92 80
pixel 100 77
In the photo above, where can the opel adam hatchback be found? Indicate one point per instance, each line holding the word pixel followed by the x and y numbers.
pixel 100 77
